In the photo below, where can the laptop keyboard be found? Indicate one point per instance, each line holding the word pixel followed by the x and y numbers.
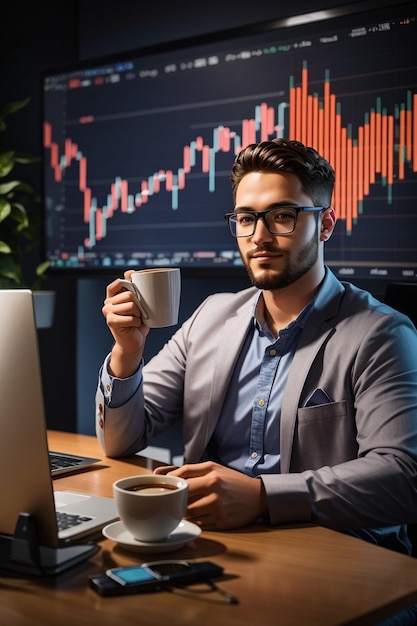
pixel 68 520
pixel 58 461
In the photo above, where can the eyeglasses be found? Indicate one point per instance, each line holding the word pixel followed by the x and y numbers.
pixel 279 221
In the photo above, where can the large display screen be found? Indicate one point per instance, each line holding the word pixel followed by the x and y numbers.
pixel 138 149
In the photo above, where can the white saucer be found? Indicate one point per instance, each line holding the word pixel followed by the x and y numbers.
pixel 185 532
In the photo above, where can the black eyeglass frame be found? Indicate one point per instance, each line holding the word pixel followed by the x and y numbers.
pixel 262 215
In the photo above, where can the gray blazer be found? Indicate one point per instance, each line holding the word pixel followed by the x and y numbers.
pixel 347 463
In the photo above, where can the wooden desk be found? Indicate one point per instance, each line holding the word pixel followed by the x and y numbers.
pixel 292 576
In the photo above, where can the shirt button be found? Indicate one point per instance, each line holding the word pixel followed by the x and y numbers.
pixel 108 388
pixel 254 455
pixel 272 352
pixel 261 402
pixel 100 409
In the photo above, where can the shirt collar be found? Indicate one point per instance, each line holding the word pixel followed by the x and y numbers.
pixel 259 315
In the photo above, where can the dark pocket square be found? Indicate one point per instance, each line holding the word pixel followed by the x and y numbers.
pixel 319 396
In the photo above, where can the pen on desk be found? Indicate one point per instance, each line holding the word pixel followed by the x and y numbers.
pixel 191 592
pixel 231 599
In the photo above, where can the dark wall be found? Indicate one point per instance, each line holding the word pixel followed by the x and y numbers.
pixel 66 32
pixel 130 24
pixel 34 37
pixel 32 40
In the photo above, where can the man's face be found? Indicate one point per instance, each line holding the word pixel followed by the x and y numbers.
pixel 276 261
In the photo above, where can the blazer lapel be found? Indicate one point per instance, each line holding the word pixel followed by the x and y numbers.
pixel 316 332
pixel 310 343
pixel 233 337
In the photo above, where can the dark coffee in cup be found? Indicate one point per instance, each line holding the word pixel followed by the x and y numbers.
pixel 152 488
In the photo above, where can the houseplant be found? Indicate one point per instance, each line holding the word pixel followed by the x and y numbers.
pixel 20 220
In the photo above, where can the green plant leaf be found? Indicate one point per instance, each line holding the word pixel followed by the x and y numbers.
pixel 14 185
pixel 4 248
pixel 5 209
pixel 13 106
pixel 23 157
pixel 6 163
pixel 10 270
pixel 42 268
pixel 19 215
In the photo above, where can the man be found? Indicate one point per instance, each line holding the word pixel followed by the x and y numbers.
pixel 298 396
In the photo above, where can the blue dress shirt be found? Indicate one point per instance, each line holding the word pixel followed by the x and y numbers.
pixel 246 436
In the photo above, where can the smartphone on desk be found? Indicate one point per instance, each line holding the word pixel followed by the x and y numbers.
pixel 152 576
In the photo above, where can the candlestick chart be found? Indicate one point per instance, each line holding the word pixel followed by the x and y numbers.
pixel 145 179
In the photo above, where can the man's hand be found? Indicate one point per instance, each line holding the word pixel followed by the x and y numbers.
pixel 220 498
pixel 124 319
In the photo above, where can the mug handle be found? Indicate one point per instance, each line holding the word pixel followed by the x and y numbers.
pixel 129 286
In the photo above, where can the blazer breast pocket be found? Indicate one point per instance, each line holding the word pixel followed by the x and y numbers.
pixel 325 435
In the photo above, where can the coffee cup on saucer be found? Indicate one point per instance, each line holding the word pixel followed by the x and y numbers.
pixel 151 506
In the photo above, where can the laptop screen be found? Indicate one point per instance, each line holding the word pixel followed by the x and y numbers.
pixel 25 480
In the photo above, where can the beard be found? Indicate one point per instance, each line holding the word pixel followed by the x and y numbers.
pixel 296 268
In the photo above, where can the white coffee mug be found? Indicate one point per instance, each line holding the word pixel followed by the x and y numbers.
pixel 158 293
pixel 150 505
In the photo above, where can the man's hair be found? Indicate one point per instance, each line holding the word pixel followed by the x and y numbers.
pixel 282 155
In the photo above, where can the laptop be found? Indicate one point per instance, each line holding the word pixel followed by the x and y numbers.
pixel 31 541
pixel 62 463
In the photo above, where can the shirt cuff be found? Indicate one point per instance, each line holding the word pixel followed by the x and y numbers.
pixel 118 391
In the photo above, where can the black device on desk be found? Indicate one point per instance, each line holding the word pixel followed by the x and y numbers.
pixel 153 576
